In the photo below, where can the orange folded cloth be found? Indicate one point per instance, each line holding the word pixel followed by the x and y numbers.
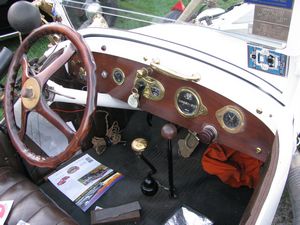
pixel 232 167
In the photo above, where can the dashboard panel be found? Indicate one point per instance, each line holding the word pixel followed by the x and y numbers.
pixel 182 102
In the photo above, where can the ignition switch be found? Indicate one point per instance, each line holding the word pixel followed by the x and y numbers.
pixel 136 93
pixel 140 86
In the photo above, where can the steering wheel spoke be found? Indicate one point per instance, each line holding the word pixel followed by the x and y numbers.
pixel 44 75
pixel 43 109
pixel 24 118
pixel 25 69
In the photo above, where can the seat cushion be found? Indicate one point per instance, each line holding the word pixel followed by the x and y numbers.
pixel 30 204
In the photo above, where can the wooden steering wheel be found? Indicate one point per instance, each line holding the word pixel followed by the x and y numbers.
pixel 33 100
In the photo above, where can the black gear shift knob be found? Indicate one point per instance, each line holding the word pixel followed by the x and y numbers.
pixel 24 17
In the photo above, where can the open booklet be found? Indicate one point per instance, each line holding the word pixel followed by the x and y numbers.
pixel 84 181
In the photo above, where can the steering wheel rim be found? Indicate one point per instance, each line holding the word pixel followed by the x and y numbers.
pixel 32 88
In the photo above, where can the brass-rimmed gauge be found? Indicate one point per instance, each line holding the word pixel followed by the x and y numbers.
pixel 231 119
pixel 188 103
pixel 118 76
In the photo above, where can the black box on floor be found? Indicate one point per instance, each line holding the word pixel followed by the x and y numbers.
pixel 124 213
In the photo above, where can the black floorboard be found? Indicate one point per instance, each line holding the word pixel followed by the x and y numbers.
pixel 196 189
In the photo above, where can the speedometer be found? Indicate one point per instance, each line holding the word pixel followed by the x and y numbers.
pixel 188 103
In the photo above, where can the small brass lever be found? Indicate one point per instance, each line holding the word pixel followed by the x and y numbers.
pixel 170 73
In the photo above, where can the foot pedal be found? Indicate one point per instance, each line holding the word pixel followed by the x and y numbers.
pixel 188 145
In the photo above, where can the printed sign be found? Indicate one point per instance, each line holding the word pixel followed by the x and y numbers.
pixel 267 60
pixel 277 3
pixel 272 22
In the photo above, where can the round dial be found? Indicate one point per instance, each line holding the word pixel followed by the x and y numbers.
pixel 118 76
pixel 188 103
pixel 155 91
pixel 231 119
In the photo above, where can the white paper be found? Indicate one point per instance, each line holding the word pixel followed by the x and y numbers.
pixel 21 222
pixel 187 216
pixel 51 140
pixel 5 207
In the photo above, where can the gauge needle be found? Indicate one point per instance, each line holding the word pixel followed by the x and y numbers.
pixel 232 118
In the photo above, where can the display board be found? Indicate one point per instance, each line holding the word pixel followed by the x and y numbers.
pixel 276 3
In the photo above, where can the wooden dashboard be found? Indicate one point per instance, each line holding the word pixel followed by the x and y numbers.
pixel 252 136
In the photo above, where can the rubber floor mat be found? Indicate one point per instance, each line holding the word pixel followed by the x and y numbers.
pixel 195 188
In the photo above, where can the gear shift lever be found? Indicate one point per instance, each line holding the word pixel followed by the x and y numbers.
pixel 169 131
pixel 149 186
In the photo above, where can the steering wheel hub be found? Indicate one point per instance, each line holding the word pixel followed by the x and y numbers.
pixel 31 93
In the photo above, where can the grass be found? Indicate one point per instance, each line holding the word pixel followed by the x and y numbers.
pixel 226 4
pixel 35 51
pixel 154 7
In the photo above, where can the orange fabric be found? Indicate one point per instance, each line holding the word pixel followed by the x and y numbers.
pixel 232 167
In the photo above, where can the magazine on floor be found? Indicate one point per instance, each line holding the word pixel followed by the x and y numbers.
pixel 84 181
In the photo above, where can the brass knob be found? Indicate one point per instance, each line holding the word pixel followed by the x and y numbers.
pixel 139 145
pixel 142 73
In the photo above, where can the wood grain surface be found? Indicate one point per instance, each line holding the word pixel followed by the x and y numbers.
pixel 254 135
